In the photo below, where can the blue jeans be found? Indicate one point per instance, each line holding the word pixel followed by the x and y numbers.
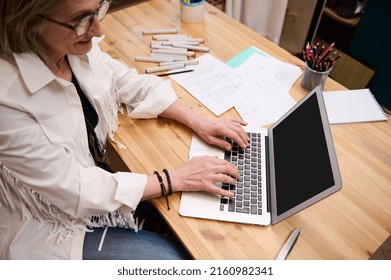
pixel 125 244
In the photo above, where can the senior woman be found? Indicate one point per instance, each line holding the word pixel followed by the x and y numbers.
pixel 59 99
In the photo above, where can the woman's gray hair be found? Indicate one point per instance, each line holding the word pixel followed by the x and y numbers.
pixel 21 26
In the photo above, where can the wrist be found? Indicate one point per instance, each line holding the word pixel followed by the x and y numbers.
pixel 175 181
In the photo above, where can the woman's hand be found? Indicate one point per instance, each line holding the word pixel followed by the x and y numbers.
pixel 202 173
pixel 213 131
pixel 199 174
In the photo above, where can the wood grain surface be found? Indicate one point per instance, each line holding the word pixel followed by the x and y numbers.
pixel 350 224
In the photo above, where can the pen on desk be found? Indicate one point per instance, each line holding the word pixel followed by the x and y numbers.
pixel 174 52
pixel 160 31
pixel 167 56
pixel 153 59
pixel 190 47
pixel 188 62
pixel 170 37
pixel 162 47
pixel 174 73
pixel 182 40
pixel 289 244
pixel 163 68
pixel 192 42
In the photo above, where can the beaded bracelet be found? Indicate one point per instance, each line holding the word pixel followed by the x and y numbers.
pixel 168 181
pixel 163 188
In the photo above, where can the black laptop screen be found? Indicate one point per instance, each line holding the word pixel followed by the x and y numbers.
pixel 302 163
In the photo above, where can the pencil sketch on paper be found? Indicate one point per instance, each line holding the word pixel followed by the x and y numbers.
pixel 271 80
pixel 258 88
pixel 214 84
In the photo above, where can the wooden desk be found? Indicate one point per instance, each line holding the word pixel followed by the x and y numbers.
pixel 350 224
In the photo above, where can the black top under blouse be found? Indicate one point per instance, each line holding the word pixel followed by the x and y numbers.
pixel 88 110
pixel 96 147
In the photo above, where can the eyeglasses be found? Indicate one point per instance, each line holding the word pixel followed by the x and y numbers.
pixel 84 24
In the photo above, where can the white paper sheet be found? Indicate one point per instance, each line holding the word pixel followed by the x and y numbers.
pixel 352 106
pixel 270 81
pixel 214 84
pixel 258 88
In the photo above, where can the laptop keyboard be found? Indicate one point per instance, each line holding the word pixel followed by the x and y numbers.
pixel 248 191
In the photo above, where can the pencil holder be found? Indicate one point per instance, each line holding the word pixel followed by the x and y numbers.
pixel 312 78
pixel 192 11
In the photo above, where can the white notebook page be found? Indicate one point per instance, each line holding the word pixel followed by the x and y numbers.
pixel 351 106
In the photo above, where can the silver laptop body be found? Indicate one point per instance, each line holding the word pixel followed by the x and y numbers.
pixel 297 168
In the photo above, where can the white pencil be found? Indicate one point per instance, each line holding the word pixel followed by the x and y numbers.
pixel 160 31
pixel 153 59
pixel 169 43
pixel 164 68
pixel 189 62
pixel 161 47
pixel 170 37
pixel 189 47
pixel 169 56
pixel 183 39
pixel 174 52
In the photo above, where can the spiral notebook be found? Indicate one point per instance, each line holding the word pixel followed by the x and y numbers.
pixel 352 106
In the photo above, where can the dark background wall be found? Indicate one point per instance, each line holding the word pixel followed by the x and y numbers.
pixel 370 45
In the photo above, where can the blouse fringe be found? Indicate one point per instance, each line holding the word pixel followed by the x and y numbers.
pixel 19 197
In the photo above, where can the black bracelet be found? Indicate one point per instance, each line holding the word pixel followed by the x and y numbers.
pixel 168 181
pixel 163 188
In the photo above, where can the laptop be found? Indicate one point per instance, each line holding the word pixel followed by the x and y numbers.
pixel 286 168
